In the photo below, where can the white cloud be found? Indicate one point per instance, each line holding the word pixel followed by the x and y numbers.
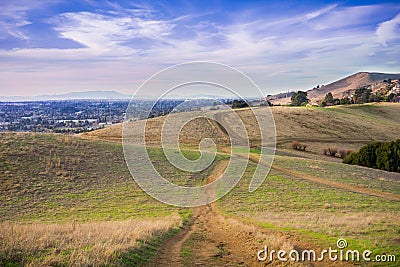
pixel 389 30
pixel 318 13
pixel 108 32
pixel 123 47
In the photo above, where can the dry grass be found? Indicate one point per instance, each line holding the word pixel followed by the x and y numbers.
pixel 191 133
pixel 77 244
pixel 346 223
pixel 342 126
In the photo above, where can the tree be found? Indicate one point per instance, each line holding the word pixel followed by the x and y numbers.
pixel 361 95
pixel 336 101
pixel 239 104
pixel 345 101
pixel 390 97
pixel 299 98
pixel 329 98
pixel 384 156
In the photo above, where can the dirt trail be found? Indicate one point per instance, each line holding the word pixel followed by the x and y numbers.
pixel 347 187
pixel 211 239
pixel 340 185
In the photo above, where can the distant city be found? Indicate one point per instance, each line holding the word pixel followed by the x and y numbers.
pixel 76 116
pixel 69 116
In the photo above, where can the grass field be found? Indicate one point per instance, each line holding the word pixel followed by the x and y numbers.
pixel 69 201
pixel 318 213
pixel 60 188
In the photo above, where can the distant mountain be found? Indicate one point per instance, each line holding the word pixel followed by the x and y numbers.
pixel 341 87
pixel 98 95
pixel 70 96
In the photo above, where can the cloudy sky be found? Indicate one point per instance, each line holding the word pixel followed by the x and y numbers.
pixel 59 46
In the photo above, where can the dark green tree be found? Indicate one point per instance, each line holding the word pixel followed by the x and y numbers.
pixel 361 95
pixel 390 97
pixel 299 98
pixel 239 104
pixel 329 98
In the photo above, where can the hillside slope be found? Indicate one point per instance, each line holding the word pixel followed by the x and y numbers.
pixel 338 88
pixel 350 126
pixel 351 82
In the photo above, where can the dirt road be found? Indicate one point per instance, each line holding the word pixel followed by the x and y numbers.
pixel 211 239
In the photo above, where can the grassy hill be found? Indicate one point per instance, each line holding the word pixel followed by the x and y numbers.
pixel 337 88
pixel 348 126
pixel 71 200
pixel 351 82
pixel 315 197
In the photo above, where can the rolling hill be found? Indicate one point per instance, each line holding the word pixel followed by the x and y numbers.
pixel 338 88
pixel 67 201
pixel 345 126
pixel 307 200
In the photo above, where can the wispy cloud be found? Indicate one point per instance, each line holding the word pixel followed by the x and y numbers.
pixel 104 33
pixel 14 15
pixel 116 41
pixel 389 30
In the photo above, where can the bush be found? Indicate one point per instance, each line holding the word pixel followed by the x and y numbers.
pixel 384 156
pixel 344 152
pixel 298 146
pixel 332 151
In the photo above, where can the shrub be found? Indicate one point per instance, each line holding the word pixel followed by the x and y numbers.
pixel 295 144
pixel 344 152
pixel 332 151
pixel 384 156
pixel 298 146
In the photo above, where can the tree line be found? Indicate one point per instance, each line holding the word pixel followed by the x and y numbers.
pixel 378 155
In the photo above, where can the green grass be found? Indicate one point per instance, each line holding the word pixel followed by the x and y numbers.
pixel 50 178
pixel 314 212
pixel 353 175
pixel 55 179
pixel 370 111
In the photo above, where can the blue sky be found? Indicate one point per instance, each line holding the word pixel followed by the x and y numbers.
pixel 57 46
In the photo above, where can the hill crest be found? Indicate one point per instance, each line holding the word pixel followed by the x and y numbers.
pixel 340 87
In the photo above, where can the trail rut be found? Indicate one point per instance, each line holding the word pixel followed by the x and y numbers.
pixel 212 239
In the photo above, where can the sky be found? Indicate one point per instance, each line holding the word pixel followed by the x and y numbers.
pixel 61 46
